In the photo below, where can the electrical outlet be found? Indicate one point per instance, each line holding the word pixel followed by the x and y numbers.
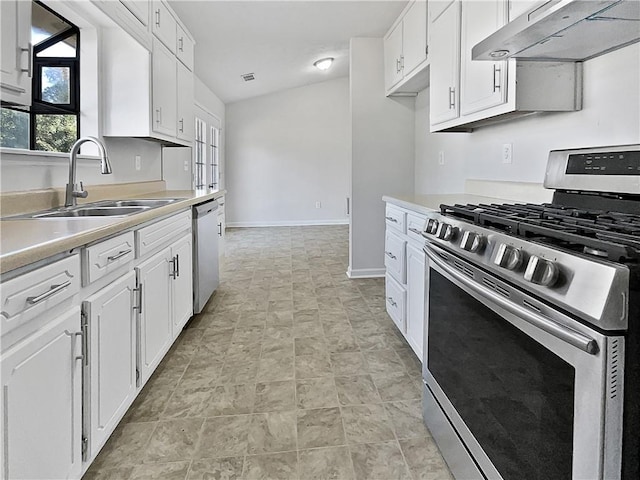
pixel 138 162
pixel 318 205
pixel 441 157
pixel 507 153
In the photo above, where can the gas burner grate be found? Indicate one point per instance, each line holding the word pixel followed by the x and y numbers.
pixel 613 235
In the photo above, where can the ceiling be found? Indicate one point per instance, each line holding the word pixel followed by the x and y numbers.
pixel 277 41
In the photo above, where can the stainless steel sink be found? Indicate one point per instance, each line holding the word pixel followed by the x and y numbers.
pixel 101 211
pixel 104 208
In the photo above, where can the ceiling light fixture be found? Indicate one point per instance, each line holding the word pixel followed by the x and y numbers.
pixel 323 63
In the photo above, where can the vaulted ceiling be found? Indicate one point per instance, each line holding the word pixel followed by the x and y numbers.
pixel 277 41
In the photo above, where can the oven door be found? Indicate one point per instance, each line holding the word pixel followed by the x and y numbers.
pixel 514 388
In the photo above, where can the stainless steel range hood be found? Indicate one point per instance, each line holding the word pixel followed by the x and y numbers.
pixel 565 30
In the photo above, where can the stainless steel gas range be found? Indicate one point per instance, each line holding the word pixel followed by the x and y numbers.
pixel 532 329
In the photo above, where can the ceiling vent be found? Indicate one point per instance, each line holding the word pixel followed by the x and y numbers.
pixel 247 77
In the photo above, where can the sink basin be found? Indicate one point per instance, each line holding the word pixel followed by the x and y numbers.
pixel 104 208
pixel 139 202
pixel 94 211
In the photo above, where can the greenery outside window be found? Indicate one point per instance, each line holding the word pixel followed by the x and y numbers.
pixel 53 122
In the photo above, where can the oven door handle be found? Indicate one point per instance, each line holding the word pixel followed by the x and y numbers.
pixel 565 334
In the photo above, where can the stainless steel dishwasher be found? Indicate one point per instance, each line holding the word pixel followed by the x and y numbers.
pixel 206 275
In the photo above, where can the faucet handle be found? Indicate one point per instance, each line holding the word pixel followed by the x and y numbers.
pixel 82 193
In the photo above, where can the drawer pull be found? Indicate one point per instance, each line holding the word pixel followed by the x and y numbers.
pixel 391 255
pixel 122 253
pixel 392 301
pixel 416 231
pixel 391 219
pixel 54 289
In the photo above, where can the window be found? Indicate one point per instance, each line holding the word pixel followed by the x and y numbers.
pixel 200 154
pixel 53 122
pixel 214 159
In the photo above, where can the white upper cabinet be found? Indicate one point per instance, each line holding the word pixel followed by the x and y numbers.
pixel 466 94
pixel 393 57
pixel 444 28
pixel 164 25
pixel 186 121
pixel 405 51
pixel 482 84
pixel 165 93
pixel 184 47
pixel 15 55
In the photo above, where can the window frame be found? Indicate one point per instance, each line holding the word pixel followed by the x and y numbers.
pixel 40 107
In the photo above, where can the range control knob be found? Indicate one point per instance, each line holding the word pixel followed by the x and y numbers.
pixel 542 272
pixel 508 257
pixel 431 226
pixel 446 232
pixel 472 242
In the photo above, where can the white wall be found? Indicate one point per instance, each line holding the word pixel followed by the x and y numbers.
pixel 285 152
pixel 610 116
pixel 382 154
pixel 28 171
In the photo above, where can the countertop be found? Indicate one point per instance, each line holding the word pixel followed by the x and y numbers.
pixel 429 203
pixel 29 240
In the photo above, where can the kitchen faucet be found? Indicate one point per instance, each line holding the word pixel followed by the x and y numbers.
pixel 72 193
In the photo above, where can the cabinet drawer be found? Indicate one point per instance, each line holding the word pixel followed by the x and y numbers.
pixel 396 299
pixel 161 233
pixel 33 293
pixel 394 255
pixel 395 218
pixel 105 257
pixel 415 227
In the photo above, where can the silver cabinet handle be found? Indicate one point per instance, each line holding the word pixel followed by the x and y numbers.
pixel 392 301
pixel 172 273
pixel 401 62
pixel 158 110
pixel 52 291
pixel 397 65
pixel 496 77
pixel 83 355
pixel 389 254
pixel 220 229
pixel 181 43
pixel 416 231
pixel 391 219
pixel 157 17
pixel 452 98
pixel 118 255
pixel 139 292
pixel 546 324
pixel 181 122
pixel 177 264
pixel 29 68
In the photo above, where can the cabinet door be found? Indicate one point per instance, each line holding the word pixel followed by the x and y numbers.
pixel 414 38
pixel 110 375
pixel 482 84
pixel 186 122
pixel 415 298
pixel 155 313
pixel 41 401
pixel 184 48
pixel 444 39
pixel 182 253
pixel 15 54
pixel 164 90
pixel 392 57
pixel 164 25
pixel 139 9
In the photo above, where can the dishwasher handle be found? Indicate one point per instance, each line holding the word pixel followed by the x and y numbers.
pixel 205 209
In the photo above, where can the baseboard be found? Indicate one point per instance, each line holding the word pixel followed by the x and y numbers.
pixel 289 223
pixel 366 272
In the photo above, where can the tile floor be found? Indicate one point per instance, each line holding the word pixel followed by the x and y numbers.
pixel 292 372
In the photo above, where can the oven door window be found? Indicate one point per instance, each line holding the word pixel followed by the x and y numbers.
pixel 514 395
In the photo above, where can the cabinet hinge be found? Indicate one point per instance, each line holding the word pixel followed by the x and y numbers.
pixel 85 444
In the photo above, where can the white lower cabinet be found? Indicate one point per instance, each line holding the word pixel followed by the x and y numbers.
pixel 405 278
pixel 182 252
pixel 110 366
pixel 416 259
pixel 155 311
pixel 166 287
pixel 41 400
